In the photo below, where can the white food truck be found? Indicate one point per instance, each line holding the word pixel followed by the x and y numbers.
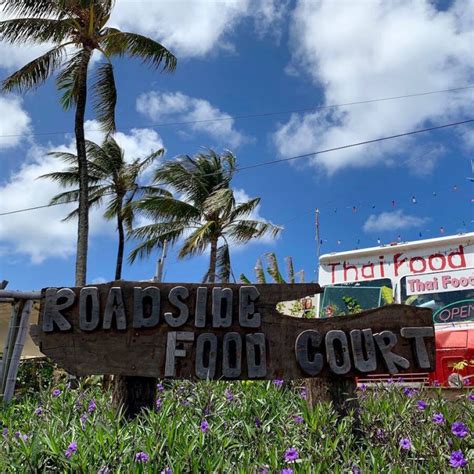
pixel 434 273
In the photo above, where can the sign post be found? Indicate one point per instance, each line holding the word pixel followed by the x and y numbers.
pixel 224 332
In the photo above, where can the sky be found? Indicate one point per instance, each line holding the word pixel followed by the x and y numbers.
pixel 300 65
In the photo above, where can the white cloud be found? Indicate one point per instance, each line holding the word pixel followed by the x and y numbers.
pixel 178 107
pixel 41 234
pixel 14 122
pixel 193 29
pixel 370 50
pixel 394 220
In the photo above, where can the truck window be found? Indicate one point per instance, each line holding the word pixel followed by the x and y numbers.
pixel 352 298
pixel 448 306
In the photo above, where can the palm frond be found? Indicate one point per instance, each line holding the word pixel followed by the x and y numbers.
pixel 120 43
pixel 244 230
pixel 105 97
pixel 68 79
pixel 244 279
pixel 219 202
pixel 198 241
pixel 64 178
pixel 273 268
pixel 35 30
pixel 290 270
pixel 69 158
pixel 168 208
pixel 244 209
pixel 259 272
pixel 35 72
pixel 33 8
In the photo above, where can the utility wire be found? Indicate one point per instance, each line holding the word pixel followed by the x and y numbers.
pixel 297 157
pixel 261 115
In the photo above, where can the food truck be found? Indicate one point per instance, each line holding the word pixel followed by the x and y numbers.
pixel 433 273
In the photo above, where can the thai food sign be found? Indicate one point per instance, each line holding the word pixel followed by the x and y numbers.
pixel 224 331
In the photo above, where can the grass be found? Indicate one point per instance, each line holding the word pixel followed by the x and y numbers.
pixel 251 425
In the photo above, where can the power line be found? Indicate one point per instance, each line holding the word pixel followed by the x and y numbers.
pixel 260 115
pixel 297 157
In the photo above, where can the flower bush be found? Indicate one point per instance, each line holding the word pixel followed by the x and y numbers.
pixel 248 427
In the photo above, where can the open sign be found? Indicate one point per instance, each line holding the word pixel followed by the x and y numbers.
pixel 459 311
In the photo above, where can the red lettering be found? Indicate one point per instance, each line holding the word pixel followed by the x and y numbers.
pixel 347 268
pixel 412 264
pixel 370 267
pixel 462 259
pixel 464 281
pixel 382 266
pixel 435 281
pixel 397 264
pixel 412 284
pixel 442 259
pixel 445 280
pixel 333 271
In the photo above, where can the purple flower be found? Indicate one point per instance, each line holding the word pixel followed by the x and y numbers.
pixel 92 406
pixel 380 434
pixel 229 395
pixel 421 404
pixel 303 393
pixel 5 432
pixel 409 392
pixel 56 393
pixel 103 470
pixel 362 387
pixel 471 397
pixel 298 419
pixel 355 469
pixel 457 459
pixel 71 449
pixel 291 455
pixel 459 429
pixel 287 470
pixel 438 418
pixel 185 402
pixel 405 443
pixel 158 404
pixel 142 457
pixel 17 434
pixel 436 383
pixel 204 426
pixel 278 383
pixel 258 422
pixel 467 381
pixel 39 411
pixel 160 387
pixel 83 419
pixel 166 470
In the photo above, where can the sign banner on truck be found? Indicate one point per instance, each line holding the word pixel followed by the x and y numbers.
pixel 440 282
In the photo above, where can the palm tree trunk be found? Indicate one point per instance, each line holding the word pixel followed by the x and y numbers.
pixel 213 261
pixel 83 221
pixel 121 245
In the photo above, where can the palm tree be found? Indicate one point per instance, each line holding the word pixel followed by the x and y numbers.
pixel 273 269
pixel 204 215
pixel 77 28
pixel 111 178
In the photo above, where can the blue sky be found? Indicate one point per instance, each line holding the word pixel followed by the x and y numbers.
pixel 242 57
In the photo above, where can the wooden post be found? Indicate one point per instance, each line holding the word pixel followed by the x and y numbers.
pixel 17 350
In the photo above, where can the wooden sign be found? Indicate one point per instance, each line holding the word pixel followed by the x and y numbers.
pixel 224 332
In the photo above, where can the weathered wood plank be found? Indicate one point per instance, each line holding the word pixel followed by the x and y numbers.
pixel 225 332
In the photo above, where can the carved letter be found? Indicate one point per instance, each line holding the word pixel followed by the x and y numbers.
pixel 311 362
pixel 361 362
pixel 177 294
pixel 419 333
pixel 220 296
pixel 139 318
pixel 89 322
pixel 386 340
pixel 345 363
pixel 247 296
pixel 52 310
pixel 256 355
pixel 201 305
pixel 115 307
pixel 206 372
pixel 232 355
pixel 172 352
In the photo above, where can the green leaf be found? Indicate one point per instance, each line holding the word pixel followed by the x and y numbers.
pixel 105 97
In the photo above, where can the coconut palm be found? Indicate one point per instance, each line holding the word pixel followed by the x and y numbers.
pixel 111 179
pixel 76 29
pixel 205 215
pixel 273 269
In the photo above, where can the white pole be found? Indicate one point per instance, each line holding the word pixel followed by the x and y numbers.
pixel 160 265
pixel 17 350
